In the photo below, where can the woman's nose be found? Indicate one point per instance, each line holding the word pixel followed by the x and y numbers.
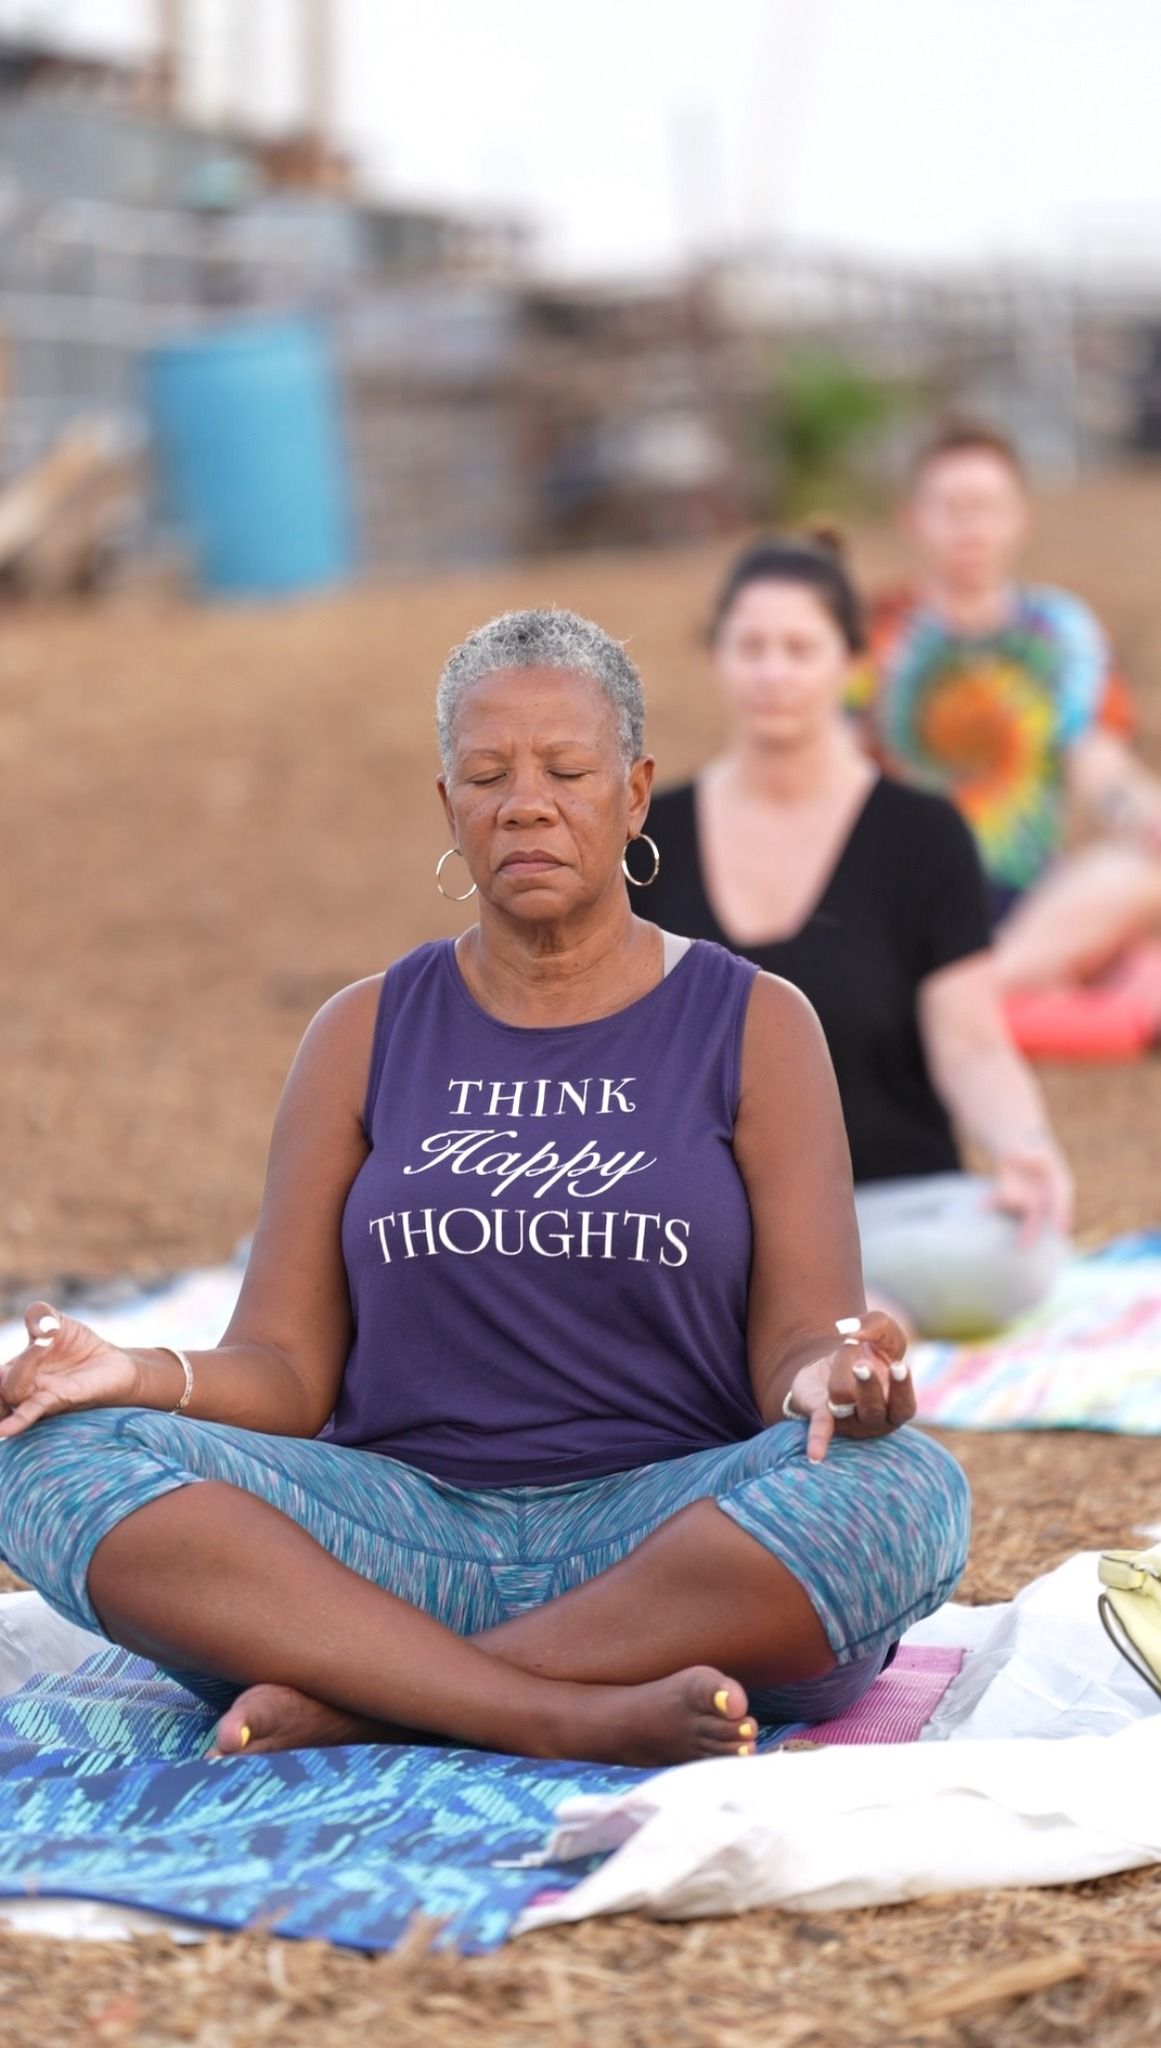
pixel 773 677
pixel 528 798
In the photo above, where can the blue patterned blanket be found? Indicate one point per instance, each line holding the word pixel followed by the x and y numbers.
pixel 104 1795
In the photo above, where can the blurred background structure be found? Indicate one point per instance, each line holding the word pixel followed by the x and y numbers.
pixel 493 399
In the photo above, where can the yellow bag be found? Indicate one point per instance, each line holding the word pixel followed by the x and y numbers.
pixel 1130 1608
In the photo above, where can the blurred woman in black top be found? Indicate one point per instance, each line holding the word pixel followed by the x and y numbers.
pixel 792 849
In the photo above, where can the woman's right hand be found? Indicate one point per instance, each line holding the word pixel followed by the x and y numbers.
pixel 65 1365
pixel 862 1388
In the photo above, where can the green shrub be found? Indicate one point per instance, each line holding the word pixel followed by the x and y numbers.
pixel 817 429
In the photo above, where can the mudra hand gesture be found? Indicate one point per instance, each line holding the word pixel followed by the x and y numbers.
pixel 66 1365
pixel 862 1388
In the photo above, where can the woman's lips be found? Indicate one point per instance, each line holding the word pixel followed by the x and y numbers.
pixel 529 863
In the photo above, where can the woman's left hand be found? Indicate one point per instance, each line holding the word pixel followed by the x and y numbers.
pixel 861 1389
pixel 1034 1184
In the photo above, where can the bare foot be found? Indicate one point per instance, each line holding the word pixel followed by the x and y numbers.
pixel 272 1717
pixel 697 1713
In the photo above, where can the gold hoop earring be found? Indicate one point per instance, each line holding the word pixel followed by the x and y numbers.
pixel 635 881
pixel 439 868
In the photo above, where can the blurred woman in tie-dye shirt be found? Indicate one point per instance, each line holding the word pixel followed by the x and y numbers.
pixel 1004 697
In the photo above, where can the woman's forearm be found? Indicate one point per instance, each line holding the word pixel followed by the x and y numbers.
pixel 987 1088
pixel 251 1386
pixel 1116 790
pixel 992 1096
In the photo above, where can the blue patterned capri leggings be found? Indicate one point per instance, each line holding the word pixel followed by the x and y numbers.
pixel 877 1533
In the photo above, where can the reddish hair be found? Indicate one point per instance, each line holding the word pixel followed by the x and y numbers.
pixel 968 437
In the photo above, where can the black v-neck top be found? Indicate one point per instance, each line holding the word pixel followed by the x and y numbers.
pixel 904 898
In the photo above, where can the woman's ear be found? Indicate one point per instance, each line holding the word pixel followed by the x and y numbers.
pixel 640 791
pixel 445 800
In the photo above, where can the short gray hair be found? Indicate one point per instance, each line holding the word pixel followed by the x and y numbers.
pixel 550 638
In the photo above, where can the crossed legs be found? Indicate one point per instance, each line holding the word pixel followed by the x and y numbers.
pixel 310 1577
pixel 627 1668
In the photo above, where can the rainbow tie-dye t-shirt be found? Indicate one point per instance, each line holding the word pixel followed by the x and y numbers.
pixel 988 719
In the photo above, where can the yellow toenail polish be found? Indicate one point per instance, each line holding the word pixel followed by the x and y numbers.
pixel 244 1737
pixel 747 1728
pixel 722 1701
pixel 745 1749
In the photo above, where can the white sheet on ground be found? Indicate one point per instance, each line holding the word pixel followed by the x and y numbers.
pixel 1038 1666
pixel 90 1920
pixel 842 1828
pixel 34 1639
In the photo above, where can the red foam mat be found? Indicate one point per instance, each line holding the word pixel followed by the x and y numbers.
pixel 1116 1018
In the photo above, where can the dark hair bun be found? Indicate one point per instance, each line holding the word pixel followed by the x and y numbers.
pixel 814 557
pixel 828 535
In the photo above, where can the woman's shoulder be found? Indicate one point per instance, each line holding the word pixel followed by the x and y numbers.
pixel 783 1042
pixel 919 818
pixel 710 962
pixel 930 875
pixel 781 1006
pixel 351 1013
pixel 340 1033
pixel 347 1040
pixel 1061 611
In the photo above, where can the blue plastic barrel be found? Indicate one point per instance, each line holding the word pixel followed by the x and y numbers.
pixel 248 435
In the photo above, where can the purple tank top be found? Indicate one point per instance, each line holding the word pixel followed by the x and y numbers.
pixel 548 1245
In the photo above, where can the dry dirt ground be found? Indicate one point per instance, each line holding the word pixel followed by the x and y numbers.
pixel 210 821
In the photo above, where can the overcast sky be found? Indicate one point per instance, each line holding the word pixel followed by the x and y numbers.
pixel 632 132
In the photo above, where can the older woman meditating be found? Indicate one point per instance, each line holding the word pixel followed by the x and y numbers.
pixel 550 1418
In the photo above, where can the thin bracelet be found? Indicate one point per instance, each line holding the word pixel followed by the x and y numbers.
pixel 187 1369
